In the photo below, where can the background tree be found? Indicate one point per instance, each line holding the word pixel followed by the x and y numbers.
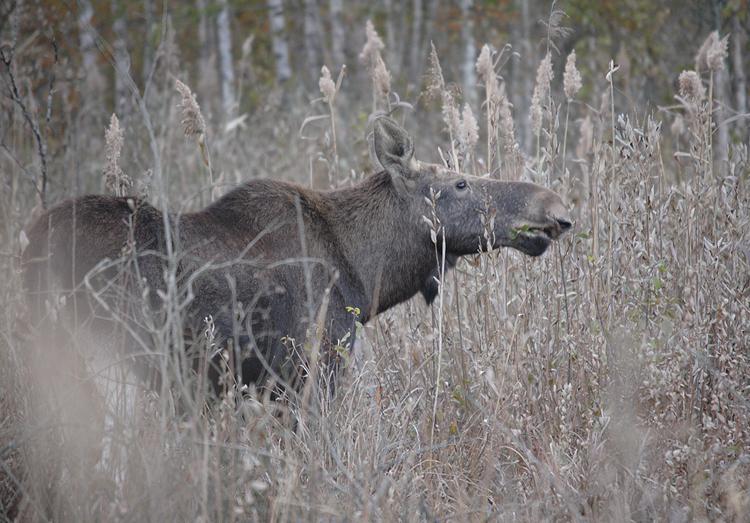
pixel 226 58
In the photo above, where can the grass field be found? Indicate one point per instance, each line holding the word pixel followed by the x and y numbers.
pixel 608 380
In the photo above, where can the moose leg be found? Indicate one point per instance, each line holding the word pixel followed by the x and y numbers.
pixel 242 357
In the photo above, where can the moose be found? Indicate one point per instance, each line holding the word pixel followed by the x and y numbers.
pixel 271 264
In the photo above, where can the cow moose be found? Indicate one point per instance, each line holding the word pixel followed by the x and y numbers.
pixel 270 262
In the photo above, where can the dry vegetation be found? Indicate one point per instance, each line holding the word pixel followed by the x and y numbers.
pixel 608 380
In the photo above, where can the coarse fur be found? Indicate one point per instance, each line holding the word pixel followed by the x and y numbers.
pixel 271 263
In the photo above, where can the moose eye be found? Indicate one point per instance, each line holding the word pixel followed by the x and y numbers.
pixel 461 185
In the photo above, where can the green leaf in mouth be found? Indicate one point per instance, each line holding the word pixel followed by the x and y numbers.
pixel 515 231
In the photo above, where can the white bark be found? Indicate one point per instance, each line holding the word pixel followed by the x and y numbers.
pixel 513 76
pixel 203 45
pixel 468 67
pixel 740 79
pixel 278 40
pixel 313 38
pixel 429 23
pixel 122 59
pixel 207 85
pixel 416 39
pixel 527 58
pixel 148 51
pixel 85 35
pixel 226 62
pixel 721 146
pixel 200 6
pixel 337 33
pixel 390 37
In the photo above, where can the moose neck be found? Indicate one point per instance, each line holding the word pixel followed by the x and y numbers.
pixel 387 247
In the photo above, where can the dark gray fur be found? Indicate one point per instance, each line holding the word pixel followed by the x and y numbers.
pixel 366 246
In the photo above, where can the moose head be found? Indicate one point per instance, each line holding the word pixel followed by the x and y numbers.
pixel 476 213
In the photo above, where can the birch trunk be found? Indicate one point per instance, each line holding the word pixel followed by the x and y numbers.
pixel 721 146
pixel 203 45
pixel 527 58
pixel 467 67
pixel 122 59
pixel 415 56
pixel 740 79
pixel 207 84
pixel 226 62
pixel 313 47
pixel 513 81
pixel 85 35
pixel 429 24
pixel 148 50
pixel 278 40
pixel 390 38
pixel 337 34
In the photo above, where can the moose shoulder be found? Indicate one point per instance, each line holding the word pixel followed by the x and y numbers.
pixel 271 262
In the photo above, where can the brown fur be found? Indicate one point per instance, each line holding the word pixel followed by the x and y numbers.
pixel 244 256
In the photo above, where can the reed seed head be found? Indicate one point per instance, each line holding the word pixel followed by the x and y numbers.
pixel 544 76
pixel 115 180
pixel 712 53
pixel 571 77
pixel 371 57
pixel 468 131
pixel 691 87
pixel 327 85
pixel 193 124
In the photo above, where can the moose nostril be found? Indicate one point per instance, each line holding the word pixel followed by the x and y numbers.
pixel 564 224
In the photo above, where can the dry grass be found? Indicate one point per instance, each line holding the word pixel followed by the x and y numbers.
pixel 607 381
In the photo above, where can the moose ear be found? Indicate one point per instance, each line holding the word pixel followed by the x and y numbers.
pixel 391 147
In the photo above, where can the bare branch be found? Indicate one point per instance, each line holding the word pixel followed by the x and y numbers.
pixel 6 55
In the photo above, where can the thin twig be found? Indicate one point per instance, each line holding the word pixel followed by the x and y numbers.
pixel 7 59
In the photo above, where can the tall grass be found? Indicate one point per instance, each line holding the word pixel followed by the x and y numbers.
pixel 608 380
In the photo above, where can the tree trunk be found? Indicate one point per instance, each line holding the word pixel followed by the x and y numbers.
pixel 278 40
pixel 721 145
pixel 226 63
pixel 429 24
pixel 148 50
pixel 313 46
pixel 207 84
pixel 122 59
pixel 337 34
pixel 740 80
pixel 86 36
pixel 200 5
pixel 415 58
pixel 514 83
pixel 204 51
pixel 390 38
pixel 467 67
pixel 525 68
